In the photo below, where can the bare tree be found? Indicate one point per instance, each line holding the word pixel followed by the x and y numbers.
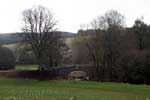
pixel 140 30
pixel 105 45
pixel 38 24
pixel 115 24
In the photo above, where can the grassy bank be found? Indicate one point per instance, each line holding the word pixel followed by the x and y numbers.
pixel 26 67
pixel 44 90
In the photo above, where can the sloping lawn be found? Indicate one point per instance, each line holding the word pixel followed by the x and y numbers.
pixel 44 90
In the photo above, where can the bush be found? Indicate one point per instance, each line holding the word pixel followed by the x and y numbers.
pixel 7 59
pixel 135 67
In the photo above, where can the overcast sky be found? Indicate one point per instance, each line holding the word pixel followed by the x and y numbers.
pixel 72 14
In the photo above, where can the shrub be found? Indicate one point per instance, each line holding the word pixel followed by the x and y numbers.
pixel 7 59
pixel 135 67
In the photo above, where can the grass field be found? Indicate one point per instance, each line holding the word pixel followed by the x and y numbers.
pixel 44 90
pixel 26 67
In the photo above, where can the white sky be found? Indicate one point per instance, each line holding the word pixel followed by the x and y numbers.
pixel 72 13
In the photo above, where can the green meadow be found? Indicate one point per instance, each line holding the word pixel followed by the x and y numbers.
pixel 19 89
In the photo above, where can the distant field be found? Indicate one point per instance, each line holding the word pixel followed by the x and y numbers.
pixel 44 90
pixel 26 67
pixel 11 46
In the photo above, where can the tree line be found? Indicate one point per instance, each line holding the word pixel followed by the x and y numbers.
pixel 119 53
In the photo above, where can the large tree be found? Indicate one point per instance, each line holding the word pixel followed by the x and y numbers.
pixel 38 28
pixel 105 45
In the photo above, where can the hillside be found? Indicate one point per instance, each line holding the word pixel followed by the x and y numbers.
pixel 11 38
